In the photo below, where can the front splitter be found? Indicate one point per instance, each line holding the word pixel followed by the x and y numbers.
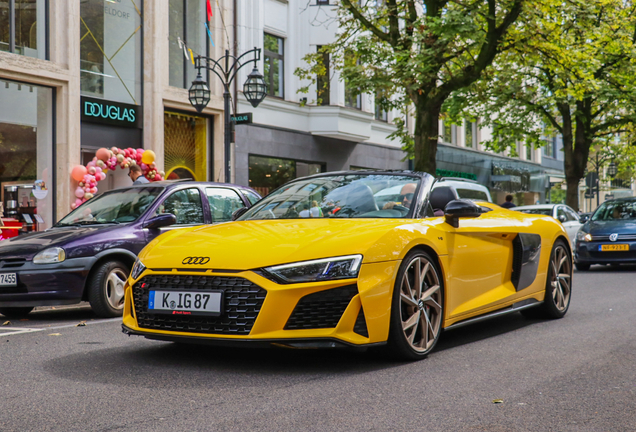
pixel 293 343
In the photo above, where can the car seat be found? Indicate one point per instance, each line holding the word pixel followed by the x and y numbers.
pixel 440 197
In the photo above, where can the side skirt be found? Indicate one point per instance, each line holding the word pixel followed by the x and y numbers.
pixel 515 307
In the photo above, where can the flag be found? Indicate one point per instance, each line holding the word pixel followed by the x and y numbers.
pixel 209 8
pixel 209 33
pixel 191 55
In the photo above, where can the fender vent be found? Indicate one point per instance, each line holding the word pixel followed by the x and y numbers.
pixel 322 309
pixel 517 261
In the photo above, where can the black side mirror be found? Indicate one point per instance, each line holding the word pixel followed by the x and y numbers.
pixel 584 218
pixel 460 209
pixel 160 221
pixel 238 213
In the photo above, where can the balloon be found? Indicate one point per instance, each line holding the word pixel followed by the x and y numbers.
pixel 157 177
pixel 79 192
pixel 120 158
pixel 162 173
pixel 100 163
pixel 88 196
pixel 148 157
pixel 93 190
pixel 104 170
pixel 143 167
pixel 91 170
pixel 114 149
pixel 98 169
pixel 78 172
pixel 78 202
pixel 81 184
pixel 102 154
pixel 102 176
pixel 73 206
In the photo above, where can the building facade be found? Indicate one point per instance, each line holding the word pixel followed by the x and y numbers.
pixel 79 75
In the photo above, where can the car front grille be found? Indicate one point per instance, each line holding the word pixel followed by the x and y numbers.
pixel 322 309
pixel 621 237
pixel 12 263
pixel 242 301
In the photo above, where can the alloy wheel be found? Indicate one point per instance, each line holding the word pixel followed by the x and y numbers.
pixel 420 304
pixel 115 282
pixel 561 278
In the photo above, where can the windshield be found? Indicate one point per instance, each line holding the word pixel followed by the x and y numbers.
pixel 340 196
pixel 119 206
pixel 540 211
pixel 615 210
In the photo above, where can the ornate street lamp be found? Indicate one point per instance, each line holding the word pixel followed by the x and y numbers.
pixel 612 169
pixel 199 93
pixel 254 89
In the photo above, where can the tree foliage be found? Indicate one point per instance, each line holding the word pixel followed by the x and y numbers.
pixel 413 54
pixel 575 76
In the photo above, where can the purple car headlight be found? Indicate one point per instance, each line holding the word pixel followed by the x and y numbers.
pixel 50 256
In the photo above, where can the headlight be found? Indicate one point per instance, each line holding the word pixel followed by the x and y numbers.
pixel 50 256
pixel 345 267
pixel 583 236
pixel 137 269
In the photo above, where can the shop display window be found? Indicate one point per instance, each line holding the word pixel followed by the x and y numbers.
pixel 267 173
pixel 110 50
pixel 185 146
pixel 26 154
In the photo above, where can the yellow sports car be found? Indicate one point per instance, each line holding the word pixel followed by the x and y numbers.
pixel 349 259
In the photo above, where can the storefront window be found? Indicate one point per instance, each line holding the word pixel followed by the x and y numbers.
pixel 26 33
pixel 186 23
pixel 110 50
pixel 26 154
pixel 185 146
pixel 266 173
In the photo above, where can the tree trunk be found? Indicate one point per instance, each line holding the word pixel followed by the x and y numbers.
pixel 576 148
pixel 425 137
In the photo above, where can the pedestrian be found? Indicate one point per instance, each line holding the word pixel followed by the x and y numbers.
pixel 136 176
pixel 315 211
pixel 508 204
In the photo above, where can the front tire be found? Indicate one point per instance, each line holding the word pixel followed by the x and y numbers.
pixel 417 307
pixel 15 312
pixel 106 288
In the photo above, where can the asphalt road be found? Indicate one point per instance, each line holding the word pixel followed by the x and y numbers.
pixel 573 374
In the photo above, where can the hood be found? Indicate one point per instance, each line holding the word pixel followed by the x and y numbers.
pixel 253 244
pixel 27 245
pixel 610 227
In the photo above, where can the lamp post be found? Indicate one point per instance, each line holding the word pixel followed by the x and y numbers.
pixel 226 69
pixel 612 170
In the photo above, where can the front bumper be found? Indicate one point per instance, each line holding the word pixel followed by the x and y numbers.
pixel 281 317
pixel 589 253
pixel 46 284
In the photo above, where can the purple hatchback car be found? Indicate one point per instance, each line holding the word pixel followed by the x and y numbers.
pixel 89 253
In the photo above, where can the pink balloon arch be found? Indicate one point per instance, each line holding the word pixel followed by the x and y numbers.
pixel 104 160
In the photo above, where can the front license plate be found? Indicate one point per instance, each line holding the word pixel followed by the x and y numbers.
pixel 8 279
pixel 185 302
pixel 613 247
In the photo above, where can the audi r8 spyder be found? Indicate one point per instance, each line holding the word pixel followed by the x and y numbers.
pixel 317 263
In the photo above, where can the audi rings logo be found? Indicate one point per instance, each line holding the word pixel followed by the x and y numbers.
pixel 196 260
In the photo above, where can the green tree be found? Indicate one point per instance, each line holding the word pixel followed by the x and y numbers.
pixel 575 77
pixel 414 54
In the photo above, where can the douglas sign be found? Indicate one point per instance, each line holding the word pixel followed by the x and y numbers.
pixel 115 113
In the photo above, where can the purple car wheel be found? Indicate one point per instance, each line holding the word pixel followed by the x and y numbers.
pixel 106 288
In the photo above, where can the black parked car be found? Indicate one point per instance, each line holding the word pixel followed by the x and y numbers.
pixel 89 253
pixel 609 236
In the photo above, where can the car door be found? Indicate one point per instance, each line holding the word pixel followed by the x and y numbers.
pixel 223 202
pixel 480 256
pixel 572 224
pixel 187 207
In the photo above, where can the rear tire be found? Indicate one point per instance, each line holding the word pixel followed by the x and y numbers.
pixel 106 288
pixel 558 289
pixel 417 308
pixel 15 312
pixel 582 267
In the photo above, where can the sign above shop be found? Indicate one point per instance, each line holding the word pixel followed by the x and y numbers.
pixel 458 174
pixel 243 118
pixel 112 113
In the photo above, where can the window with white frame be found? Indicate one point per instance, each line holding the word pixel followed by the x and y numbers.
pixel 274 65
